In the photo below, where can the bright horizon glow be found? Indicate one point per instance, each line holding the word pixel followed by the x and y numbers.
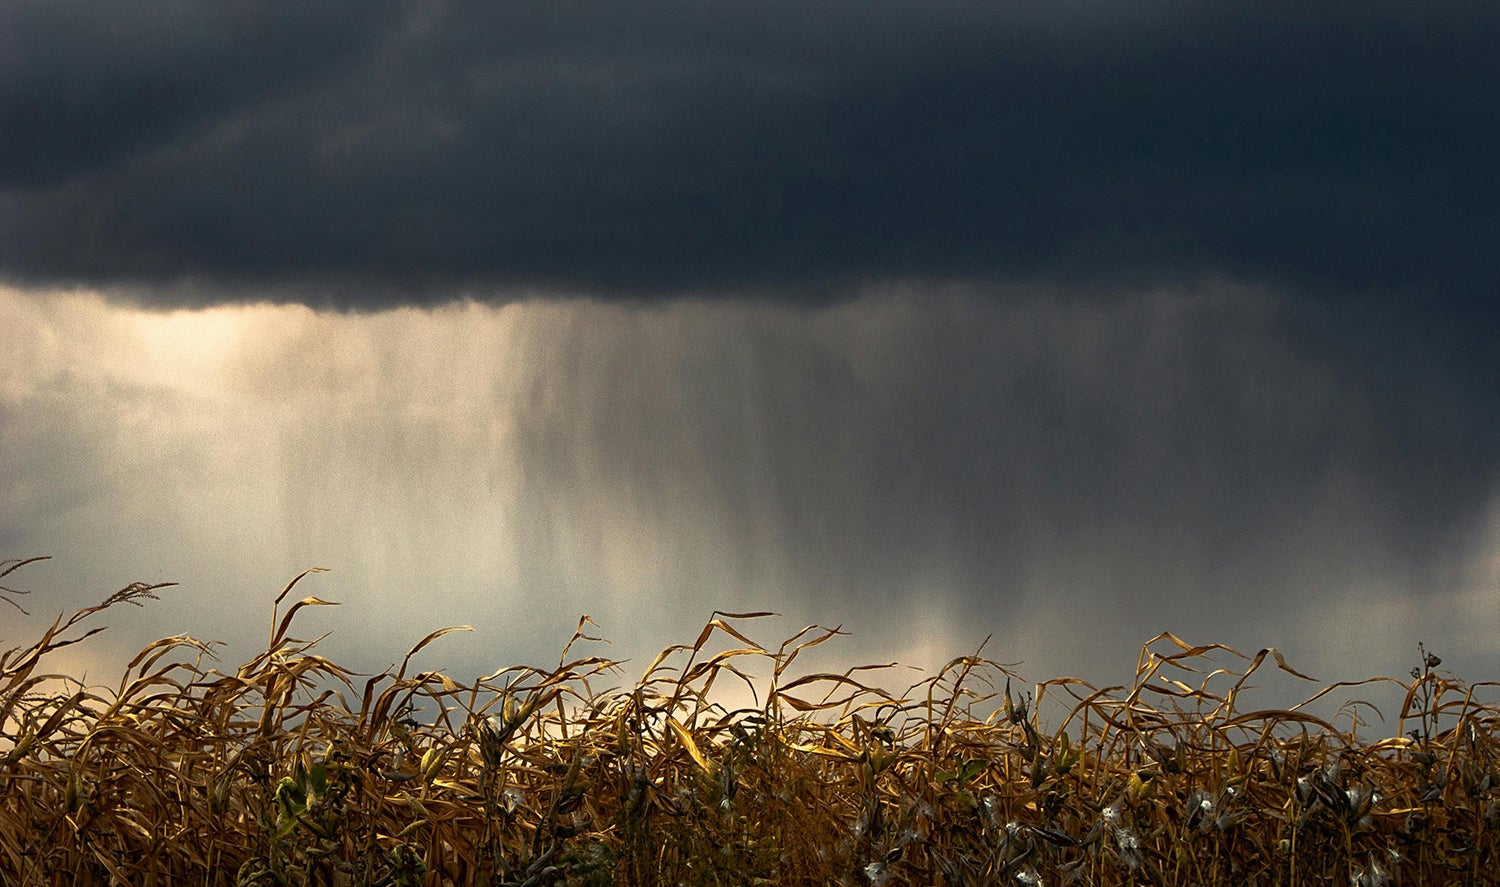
pixel 517 467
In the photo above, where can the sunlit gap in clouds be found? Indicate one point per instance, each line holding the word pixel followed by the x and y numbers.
pixel 229 448
pixel 925 468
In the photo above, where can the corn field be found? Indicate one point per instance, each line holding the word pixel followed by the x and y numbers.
pixel 291 770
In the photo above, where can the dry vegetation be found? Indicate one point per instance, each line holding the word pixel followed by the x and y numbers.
pixel 291 770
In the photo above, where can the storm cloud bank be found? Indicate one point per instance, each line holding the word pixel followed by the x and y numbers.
pixel 1066 322
pixel 362 155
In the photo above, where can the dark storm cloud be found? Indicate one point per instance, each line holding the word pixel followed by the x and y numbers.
pixel 86 85
pixel 379 153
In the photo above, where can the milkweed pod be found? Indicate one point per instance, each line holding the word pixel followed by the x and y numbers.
pixel 432 763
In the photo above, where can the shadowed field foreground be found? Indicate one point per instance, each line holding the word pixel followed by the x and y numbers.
pixel 292 770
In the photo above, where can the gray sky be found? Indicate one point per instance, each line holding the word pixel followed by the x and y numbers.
pixel 1066 323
